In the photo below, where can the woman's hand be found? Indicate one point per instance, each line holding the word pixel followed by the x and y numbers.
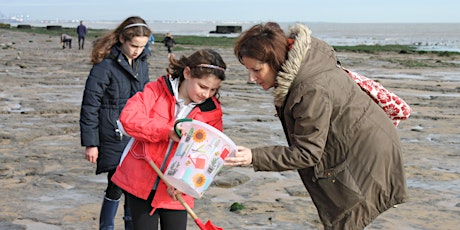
pixel 172 192
pixel 242 158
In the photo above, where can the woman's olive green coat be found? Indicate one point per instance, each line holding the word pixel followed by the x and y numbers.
pixel 345 148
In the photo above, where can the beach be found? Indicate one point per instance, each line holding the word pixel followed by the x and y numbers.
pixel 46 183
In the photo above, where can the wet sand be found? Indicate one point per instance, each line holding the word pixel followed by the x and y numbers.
pixel 47 184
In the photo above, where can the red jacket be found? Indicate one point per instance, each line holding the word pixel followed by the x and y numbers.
pixel 149 117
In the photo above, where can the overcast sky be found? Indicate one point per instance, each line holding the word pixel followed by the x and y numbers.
pixel 416 11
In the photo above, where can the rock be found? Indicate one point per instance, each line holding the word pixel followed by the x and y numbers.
pixel 230 179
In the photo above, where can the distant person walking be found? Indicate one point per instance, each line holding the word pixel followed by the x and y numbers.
pixel 81 32
pixel 66 41
pixel 169 43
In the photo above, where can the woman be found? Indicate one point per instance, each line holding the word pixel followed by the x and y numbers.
pixel 119 71
pixel 345 148
pixel 188 91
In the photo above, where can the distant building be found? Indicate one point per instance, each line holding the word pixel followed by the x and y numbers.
pixel 227 29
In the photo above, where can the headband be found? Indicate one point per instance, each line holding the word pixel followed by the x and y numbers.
pixel 211 66
pixel 135 24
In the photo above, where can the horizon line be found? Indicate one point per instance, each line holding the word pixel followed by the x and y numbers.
pixel 9 20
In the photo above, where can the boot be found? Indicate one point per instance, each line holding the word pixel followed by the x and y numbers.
pixel 108 212
pixel 127 218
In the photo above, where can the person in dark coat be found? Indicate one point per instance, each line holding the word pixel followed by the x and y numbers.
pixel 343 145
pixel 169 42
pixel 119 71
pixel 81 33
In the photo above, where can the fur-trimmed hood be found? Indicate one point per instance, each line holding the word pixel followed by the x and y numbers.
pixel 290 68
pixel 306 52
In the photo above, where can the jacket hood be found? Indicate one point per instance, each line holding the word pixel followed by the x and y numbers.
pixel 117 55
pixel 295 58
pixel 307 58
pixel 115 52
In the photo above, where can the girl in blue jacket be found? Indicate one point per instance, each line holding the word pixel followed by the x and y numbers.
pixel 119 71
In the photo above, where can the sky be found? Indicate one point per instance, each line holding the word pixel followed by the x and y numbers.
pixel 351 11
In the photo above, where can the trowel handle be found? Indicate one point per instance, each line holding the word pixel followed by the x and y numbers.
pixel 178 196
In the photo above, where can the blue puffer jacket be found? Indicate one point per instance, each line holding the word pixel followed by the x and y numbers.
pixel 109 85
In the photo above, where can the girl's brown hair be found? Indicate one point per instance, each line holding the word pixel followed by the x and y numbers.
pixel 203 56
pixel 102 46
pixel 264 42
pixel 200 57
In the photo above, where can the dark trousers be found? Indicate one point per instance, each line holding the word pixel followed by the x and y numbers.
pixel 112 191
pixel 67 42
pixel 81 42
pixel 140 212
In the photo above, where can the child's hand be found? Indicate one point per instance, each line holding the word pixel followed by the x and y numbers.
pixel 91 154
pixel 173 136
pixel 172 192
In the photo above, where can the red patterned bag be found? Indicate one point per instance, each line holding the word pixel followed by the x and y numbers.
pixel 395 107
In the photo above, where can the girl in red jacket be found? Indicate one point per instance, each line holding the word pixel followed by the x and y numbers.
pixel 189 90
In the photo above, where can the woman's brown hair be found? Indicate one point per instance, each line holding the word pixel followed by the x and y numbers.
pixel 264 42
pixel 102 46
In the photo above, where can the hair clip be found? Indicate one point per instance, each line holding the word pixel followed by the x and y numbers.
pixel 211 66
pixel 135 24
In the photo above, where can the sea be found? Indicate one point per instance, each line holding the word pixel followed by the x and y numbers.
pixel 425 36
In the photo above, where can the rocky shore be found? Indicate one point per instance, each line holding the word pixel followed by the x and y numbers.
pixel 47 184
